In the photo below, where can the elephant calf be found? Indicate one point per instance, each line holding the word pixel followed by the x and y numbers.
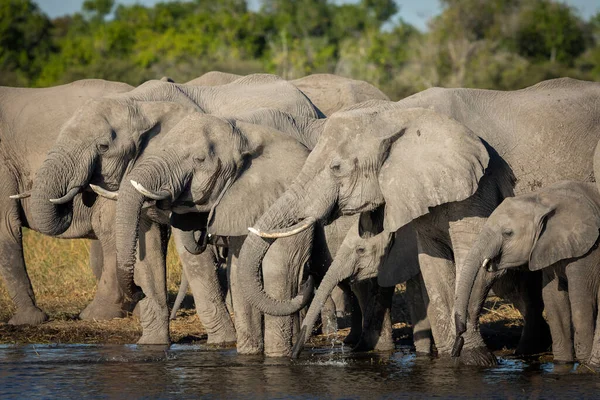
pixel 556 230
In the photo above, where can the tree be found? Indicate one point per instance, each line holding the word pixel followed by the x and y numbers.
pixel 24 40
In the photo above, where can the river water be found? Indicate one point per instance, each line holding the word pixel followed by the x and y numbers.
pixel 192 371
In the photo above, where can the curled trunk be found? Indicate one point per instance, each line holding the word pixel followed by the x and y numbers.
pixel 58 176
pixel 487 247
pixel 128 227
pixel 296 204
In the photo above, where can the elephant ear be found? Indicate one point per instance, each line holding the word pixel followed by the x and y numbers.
pixel 402 259
pixel 271 161
pixel 567 218
pixel 434 160
pixel 150 118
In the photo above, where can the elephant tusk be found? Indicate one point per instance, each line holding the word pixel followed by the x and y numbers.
pixel 485 263
pixel 285 232
pixel 23 195
pixel 67 197
pixel 154 196
pixel 104 192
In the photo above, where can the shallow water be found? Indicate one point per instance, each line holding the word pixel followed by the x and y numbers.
pixel 191 371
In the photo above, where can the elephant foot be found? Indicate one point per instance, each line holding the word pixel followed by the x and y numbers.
pixel 221 339
pixel 155 338
pixel 353 338
pixel 249 350
pixel 28 316
pixel 588 368
pixel 155 322
pixel 479 356
pixel 98 310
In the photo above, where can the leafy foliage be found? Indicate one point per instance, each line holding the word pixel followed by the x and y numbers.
pixel 504 44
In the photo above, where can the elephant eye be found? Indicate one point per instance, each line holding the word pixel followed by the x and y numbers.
pixel 199 159
pixel 102 147
pixel 335 166
pixel 507 233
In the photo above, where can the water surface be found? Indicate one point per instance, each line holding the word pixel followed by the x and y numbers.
pixel 192 371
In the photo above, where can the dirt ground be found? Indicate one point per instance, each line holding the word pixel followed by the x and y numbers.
pixel 64 285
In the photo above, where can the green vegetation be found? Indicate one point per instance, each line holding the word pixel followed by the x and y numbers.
pixel 504 44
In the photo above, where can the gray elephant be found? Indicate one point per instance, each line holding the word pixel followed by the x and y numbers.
pixel 391 258
pixel 30 122
pixel 554 229
pixel 445 168
pixel 105 137
pixel 225 176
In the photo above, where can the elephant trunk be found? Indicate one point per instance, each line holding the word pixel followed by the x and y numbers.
pixel 57 182
pixel 484 250
pixel 339 271
pixel 285 212
pixel 128 226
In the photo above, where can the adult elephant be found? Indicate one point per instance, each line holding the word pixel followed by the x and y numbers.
pixel 105 137
pixel 427 165
pixel 30 122
pixel 224 173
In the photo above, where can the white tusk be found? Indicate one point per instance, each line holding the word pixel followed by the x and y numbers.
pixel 104 193
pixel 67 197
pixel 147 193
pixel 286 232
pixel 485 264
pixel 18 196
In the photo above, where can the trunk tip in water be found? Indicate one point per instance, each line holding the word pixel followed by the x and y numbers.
pixel 299 345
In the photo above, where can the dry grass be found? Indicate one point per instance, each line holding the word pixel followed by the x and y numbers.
pixel 64 284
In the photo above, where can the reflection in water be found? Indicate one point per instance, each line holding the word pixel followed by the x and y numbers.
pixel 187 371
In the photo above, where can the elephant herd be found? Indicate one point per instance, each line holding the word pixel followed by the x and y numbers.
pixel 317 181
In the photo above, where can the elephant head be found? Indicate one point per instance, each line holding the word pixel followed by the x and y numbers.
pixel 213 174
pixel 389 256
pixel 537 229
pixel 407 159
pixel 96 145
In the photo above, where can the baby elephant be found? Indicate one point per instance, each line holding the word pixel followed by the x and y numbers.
pixel 554 229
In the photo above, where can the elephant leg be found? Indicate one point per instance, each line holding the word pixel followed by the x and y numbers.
pixel 594 360
pixel 377 325
pixel 96 258
pixel 583 308
pixel 247 320
pixel 356 314
pixel 109 301
pixel 12 262
pixel 150 275
pixel 201 273
pixel 438 275
pixel 558 310
pixel 417 305
pixel 282 271
pixel 524 290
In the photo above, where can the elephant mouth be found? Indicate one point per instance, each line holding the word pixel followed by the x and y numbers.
pixel 369 206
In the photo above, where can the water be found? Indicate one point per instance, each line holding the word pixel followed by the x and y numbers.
pixel 192 371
